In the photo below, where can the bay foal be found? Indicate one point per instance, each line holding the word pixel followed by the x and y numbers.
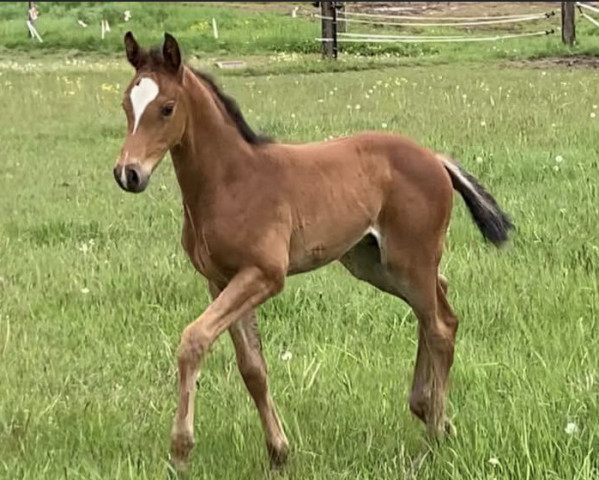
pixel 256 211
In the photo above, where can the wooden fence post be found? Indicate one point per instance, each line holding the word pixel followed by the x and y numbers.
pixel 568 27
pixel 329 29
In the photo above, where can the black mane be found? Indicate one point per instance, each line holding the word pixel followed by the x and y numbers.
pixel 233 110
pixel 154 59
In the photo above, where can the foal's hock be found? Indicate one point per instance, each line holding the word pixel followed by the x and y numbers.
pixel 256 211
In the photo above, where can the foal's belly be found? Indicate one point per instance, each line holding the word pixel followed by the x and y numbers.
pixel 311 248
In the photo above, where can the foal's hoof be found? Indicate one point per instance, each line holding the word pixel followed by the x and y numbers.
pixel 278 455
pixel 181 446
pixel 445 428
pixel 178 465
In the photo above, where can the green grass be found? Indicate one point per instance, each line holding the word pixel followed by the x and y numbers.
pixel 259 29
pixel 88 380
pixel 240 32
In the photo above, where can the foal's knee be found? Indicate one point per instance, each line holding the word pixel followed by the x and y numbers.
pixel 194 344
pixel 449 327
pixel 440 341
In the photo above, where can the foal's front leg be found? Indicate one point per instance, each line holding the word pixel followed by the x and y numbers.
pixel 250 360
pixel 252 367
pixel 248 289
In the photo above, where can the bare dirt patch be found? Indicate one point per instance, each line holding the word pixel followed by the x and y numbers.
pixel 578 61
pixel 434 9
pixel 467 9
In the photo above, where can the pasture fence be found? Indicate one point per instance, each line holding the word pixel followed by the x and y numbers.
pixel 336 22
pixel 590 8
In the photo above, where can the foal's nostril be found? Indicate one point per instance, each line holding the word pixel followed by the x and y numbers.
pixel 133 179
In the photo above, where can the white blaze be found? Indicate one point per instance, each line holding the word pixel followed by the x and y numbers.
pixel 142 95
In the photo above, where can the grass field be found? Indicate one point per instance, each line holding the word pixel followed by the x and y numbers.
pixel 95 289
pixel 267 28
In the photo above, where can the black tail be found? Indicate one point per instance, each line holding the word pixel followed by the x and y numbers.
pixel 493 223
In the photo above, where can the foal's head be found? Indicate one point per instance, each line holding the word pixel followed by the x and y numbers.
pixel 155 111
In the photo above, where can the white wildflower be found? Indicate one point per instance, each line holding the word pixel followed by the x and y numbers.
pixel 571 428
pixel 493 461
pixel 593 115
pixel 384 125
pixel 559 159
pixel 86 247
pixel 286 356
pixel 479 159
pixel 85 290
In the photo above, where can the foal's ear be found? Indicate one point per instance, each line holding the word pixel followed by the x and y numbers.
pixel 171 53
pixel 133 50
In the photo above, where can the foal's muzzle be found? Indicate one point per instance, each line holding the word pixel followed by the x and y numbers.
pixel 131 177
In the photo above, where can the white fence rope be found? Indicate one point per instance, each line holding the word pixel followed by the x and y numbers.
pixel 439 39
pixel 590 19
pixel 450 24
pixel 442 19
pixel 375 35
pixel 588 7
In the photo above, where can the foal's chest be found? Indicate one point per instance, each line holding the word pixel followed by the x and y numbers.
pixel 213 247
pixel 196 248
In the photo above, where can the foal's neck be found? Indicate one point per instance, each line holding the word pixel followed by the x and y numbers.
pixel 212 152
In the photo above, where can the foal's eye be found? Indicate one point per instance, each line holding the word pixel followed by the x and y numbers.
pixel 167 110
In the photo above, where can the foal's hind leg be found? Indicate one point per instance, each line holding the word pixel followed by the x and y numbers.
pixel 415 281
pixel 364 262
pixel 436 340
